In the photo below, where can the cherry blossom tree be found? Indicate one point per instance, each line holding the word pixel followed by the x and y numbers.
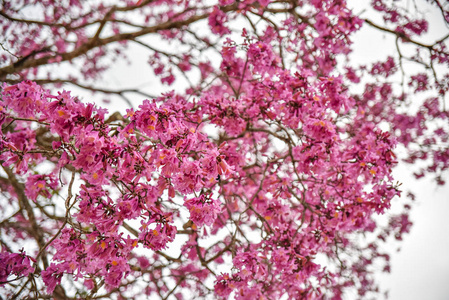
pixel 261 179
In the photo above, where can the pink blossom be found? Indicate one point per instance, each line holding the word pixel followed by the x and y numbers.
pixel 217 19
pixel 203 210
pixel 52 276
pixel 18 264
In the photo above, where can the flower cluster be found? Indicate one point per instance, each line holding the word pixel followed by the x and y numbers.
pixel 16 264
pixel 203 210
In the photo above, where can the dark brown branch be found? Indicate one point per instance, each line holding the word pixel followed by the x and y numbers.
pixel 94 43
pixel 403 36
pixel 23 200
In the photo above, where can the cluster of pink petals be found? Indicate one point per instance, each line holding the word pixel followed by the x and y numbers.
pixel 14 265
pixel 203 210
